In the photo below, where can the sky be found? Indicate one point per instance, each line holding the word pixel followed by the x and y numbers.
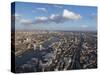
pixel 39 16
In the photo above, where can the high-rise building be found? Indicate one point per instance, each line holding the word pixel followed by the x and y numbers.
pixel 34 46
pixel 41 47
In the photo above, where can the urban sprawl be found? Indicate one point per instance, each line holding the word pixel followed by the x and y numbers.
pixel 38 51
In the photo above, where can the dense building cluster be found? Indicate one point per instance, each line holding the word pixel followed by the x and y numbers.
pixel 38 51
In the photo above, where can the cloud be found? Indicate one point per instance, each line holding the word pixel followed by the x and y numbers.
pixel 42 9
pixel 18 19
pixel 25 22
pixel 58 18
pixel 70 15
pixel 84 26
pixel 58 6
pixel 53 18
pixel 16 15
pixel 40 20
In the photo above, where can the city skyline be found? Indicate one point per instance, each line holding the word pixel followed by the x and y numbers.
pixel 40 16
